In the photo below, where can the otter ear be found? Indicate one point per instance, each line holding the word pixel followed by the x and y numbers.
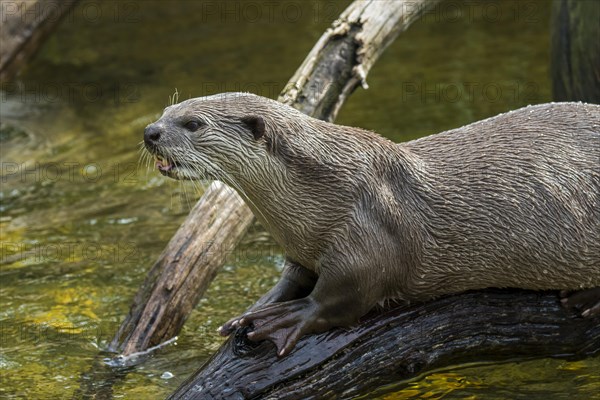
pixel 256 125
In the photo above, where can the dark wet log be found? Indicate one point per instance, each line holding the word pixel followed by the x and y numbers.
pixel 575 63
pixel 337 64
pixel 24 28
pixel 396 345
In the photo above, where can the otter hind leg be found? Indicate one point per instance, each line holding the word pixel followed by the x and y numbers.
pixel 586 301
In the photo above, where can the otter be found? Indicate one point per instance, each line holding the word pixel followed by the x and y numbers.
pixel 512 201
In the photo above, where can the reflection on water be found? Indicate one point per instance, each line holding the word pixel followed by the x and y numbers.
pixel 82 222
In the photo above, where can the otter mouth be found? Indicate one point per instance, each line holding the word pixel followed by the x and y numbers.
pixel 164 164
pixel 169 167
pixel 173 169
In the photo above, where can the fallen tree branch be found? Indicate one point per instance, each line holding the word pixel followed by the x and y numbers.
pixel 184 270
pixel 396 345
pixel 337 64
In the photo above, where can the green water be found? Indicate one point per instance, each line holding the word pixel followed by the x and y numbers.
pixel 81 224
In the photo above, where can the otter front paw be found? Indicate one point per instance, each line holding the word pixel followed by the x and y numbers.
pixel 586 301
pixel 282 323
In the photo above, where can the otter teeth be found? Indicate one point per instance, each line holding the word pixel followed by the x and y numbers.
pixel 162 163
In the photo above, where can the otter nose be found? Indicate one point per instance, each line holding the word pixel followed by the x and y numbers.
pixel 151 134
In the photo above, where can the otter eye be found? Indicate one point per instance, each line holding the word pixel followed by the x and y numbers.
pixel 193 125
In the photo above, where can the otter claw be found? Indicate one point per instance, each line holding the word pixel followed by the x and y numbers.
pixel 586 301
pixel 592 311
pixel 227 328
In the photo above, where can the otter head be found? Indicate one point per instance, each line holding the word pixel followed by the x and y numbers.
pixel 215 137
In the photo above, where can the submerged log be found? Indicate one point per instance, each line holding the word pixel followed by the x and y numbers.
pixel 395 345
pixel 335 67
pixel 25 26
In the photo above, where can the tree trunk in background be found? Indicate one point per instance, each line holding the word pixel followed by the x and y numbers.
pixel 25 25
pixel 575 64
pixel 337 64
